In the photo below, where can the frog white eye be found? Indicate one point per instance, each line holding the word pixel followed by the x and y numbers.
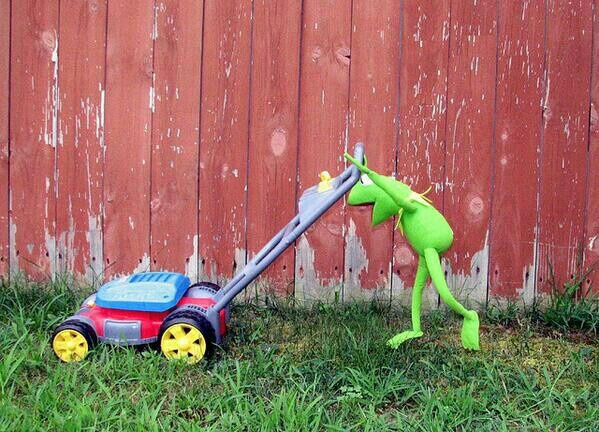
pixel 365 180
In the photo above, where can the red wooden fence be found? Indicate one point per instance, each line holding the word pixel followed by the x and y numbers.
pixel 171 134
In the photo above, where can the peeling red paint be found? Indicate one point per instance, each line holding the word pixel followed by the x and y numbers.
pixel 4 110
pixel 592 211
pixel 513 236
pixel 470 111
pixel 224 137
pixel 175 136
pixel 373 120
pixel 323 101
pixel 79 158
pixel 273 132
pixel 128 125
pixel 33 120
pixel 135 147
pixel 565 141
pixel 423 112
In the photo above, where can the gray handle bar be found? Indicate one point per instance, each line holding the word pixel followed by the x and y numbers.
pixel 312 205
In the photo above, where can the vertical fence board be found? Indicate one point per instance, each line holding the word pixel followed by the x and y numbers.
pixel 470 110
pixel 175 136
pixel 324 87
pixel 520 63
pixel 565 141
pixel 33 119
pixel 4 101
pixel 273 132
pixel 79 157
pixel 224 137
pixel 374 97
pixel 592 221
pixel 127 134
pixel 423 111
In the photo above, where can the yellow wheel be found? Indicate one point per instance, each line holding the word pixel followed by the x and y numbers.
pixel 186 335
pixel 72 341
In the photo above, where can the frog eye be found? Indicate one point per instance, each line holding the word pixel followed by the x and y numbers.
pixel 365 180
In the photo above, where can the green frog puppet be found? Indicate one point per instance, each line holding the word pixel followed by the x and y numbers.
pixel 427 232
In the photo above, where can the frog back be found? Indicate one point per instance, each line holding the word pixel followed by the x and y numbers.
pixel 427 228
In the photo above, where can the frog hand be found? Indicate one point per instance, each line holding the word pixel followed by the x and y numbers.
pixel 362 167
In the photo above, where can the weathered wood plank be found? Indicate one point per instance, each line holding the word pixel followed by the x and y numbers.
pixel 33 119
pixel 592 216
pixel 4 110
pixel 520 65
pixel 175 136
pixel 80 151
pixel 224 138
pixel 127 134
pixel 273 133
pixel 423 112
pixel 565 141
pixel 373 115
pixel 468 169
pixel 324 92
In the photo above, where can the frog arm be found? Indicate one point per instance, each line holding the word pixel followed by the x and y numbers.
pixel 363 167
pixel 388 185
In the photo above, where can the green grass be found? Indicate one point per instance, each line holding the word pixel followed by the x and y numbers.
pixel 566 310
pixel 287 369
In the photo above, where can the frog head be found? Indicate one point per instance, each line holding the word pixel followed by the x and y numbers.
pixel 366 192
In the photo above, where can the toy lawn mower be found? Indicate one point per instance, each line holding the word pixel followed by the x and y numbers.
pixel 185 319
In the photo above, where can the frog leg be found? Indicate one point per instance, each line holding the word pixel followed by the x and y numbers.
pixel 470 325
pixel 419 283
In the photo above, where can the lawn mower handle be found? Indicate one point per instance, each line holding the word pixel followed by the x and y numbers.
pixel 312 205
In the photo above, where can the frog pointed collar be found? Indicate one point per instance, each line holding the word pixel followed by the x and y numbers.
pixel 414 196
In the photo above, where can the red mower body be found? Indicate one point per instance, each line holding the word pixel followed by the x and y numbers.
pixel 117 316
pixel 148 322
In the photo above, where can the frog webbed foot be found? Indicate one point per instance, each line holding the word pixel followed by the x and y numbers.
pixel 470 339
pixel 400 338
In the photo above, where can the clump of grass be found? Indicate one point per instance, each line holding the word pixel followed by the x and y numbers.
pixel 506 314
pixel 568 308
pixel 39 306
